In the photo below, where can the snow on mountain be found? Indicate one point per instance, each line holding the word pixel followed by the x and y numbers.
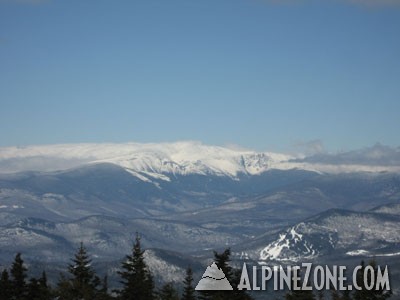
pixel 144 161
pixel 161 161
pixel 291 245
pixel 392 208
pixel 336 231
pixel 157 265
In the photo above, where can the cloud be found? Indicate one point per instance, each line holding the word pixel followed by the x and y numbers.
pixel 310 147
pixel 236 147
pixel 377 155
pixel 39 163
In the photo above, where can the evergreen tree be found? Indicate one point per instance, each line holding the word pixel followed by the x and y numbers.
pixel 83 283
pixel 335 294
pixel 103 293
pixel 346 295
pixel 233 275
pixel 300 294
pixel 18 273
pixel 64 289
pixel 360 295
pixel 168 292
pixel 222 261
pixel 321 295
pixel 33 290
pixel 188 289
pixel 104 285
pixel 364 293
pixel 5 286
pixel 136 280
pixel 44 289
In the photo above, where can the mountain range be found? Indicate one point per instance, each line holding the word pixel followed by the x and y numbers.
pixel 187 199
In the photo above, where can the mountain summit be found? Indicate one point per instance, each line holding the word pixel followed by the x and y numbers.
pixel 164 160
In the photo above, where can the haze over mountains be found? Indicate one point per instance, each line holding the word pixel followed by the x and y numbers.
pixel 191 158
pixel 187 198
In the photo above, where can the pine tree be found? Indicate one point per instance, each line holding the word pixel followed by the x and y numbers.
pixel 83 282
pixel 335 294
pixel 33 290
pixel 346 295
pixel 5 286
pixel 136 280
pixel 44 289
pixel 103 293
pixel 188 289
pixel 372 294
pixel 232 275
pixel 361 294
pixel 64 288
pixel 300 294
pixel 18 273
pixel 168 292
pixel 222 261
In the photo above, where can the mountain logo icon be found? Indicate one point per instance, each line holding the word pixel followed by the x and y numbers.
pixel 213 279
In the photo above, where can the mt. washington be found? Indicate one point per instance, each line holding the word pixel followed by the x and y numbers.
pixel 148 161
pixel 187 199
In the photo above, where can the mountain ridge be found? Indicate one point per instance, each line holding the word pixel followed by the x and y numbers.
pixel 164 160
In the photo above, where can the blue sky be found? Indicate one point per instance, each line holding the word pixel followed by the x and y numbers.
pixel 267 75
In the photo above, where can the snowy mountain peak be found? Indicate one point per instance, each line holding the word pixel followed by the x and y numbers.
pixel 142 160
pixel 163 160
pixel 290 246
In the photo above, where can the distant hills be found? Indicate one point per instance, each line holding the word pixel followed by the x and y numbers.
pixel 187 199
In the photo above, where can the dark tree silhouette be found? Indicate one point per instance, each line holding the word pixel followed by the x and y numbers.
pixel 18 281
pixel 364 293
pixel 137 282
pixel 188 289
pixel 168 292
pixel 232 275
pixel 5 286
pixel 83 282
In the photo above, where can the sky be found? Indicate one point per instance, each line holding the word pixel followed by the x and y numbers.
pixel 266 75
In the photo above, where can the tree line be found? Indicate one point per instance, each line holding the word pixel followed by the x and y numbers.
pixel 82 283
pixel 137 283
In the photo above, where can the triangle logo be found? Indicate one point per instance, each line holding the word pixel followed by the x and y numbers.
pixel 213 279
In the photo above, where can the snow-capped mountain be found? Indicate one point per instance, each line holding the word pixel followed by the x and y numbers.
pixel 146 161
pixel 336 232
pixel 164 160
pixel 192 198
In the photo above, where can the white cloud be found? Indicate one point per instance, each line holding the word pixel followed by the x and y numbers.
pixel 309 147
